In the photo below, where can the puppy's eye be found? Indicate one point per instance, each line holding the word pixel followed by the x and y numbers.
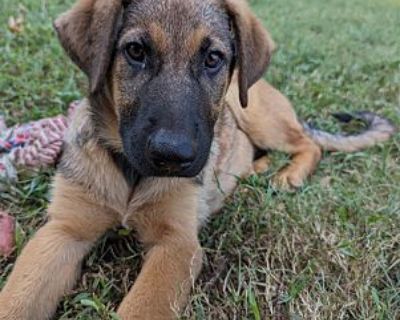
pixel 214 61
pixel 136 52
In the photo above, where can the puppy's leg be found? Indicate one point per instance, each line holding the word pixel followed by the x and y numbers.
pixel 261 165
pixel 173 260
pixel 49 264
pixel 271 123
pixel 305 157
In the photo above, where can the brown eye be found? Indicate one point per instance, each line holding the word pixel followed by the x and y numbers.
pixel 214 60
pixel 136 52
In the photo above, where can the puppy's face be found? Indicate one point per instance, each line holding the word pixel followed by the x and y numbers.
pixel 172 66
pixel 167 65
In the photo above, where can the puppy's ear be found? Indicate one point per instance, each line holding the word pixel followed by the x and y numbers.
pixel 88 33
pixel 253 43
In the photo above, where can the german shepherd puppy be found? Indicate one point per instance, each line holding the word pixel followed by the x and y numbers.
pixel 159 143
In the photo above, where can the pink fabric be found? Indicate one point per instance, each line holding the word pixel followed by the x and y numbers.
pixel 42 143
pixel 7 230
pixel 33 145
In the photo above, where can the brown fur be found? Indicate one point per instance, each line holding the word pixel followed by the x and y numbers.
pixel 271 124
pixel 95 190
pixel 251 34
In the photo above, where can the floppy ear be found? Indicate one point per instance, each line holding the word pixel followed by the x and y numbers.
pixel 253 44
pixel 88 33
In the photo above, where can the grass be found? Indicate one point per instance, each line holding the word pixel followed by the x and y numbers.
pixel 329 251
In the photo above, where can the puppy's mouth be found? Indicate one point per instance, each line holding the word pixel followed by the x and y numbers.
pixel 168 169
pixel 177 172
pixel 171 168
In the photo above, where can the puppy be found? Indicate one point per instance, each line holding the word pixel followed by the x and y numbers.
pixel 157 145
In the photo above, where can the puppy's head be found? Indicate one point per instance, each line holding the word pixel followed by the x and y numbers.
pixel 167 65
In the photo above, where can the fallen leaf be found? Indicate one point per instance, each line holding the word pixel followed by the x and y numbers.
pixel 16 25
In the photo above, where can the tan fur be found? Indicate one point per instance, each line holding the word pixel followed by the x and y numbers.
pixel 194 41
pixel 92 195
pixel 160 38
pixel 271 123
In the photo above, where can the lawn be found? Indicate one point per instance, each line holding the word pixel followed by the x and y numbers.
pixel 329 251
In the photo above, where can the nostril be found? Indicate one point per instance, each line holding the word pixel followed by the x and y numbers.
pixel 152 121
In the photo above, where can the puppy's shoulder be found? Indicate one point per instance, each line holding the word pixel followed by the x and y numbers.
pixel 81 129
pixel 86 163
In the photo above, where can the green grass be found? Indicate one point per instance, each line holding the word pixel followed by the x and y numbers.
pixel 329 251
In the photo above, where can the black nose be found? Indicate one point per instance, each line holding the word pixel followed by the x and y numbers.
pixel 170 151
